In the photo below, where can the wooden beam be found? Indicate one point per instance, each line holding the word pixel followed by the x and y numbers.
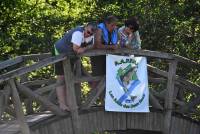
pixel 2 103
pixel 157 71
pixel 28 92
pixel 23 70
pixel 52 96
pixel 94 94
pixel 157 80
pixel 188 85
pixel 38 82
pixel 11 62
pixel 145 53
pixel 156 94
pixel 155 102
pixel 45 89
pixel 179 102
pixel 4 98
pixel 29 106
pixel 37 56
pixel 169 96
pixel 163 93
pixel 18 108
pixel 71 96
pixel 190 105
pixel 186 61
pixel 9 110
pixel 87 78
pixel 78 73
pixel 178 80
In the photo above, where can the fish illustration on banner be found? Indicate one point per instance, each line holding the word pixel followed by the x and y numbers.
pixel 126 84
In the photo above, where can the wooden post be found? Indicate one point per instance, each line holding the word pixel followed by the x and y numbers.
pixel 71 96
pixel 169 96
pixel 78 85
pixel 18 108
pixel 2 102
pixel 28 102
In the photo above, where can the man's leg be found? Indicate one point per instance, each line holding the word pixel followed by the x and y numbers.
pixel 61 92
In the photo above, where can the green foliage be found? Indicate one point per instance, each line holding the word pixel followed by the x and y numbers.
pixel 33 26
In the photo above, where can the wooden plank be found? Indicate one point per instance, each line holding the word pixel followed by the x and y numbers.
pixel 71 96
pixel 189 106
pixel 97 124
pixel 62 126
pixel 10 111
pixel 157 71
pixel 157 80
pixel 87 79
pixel 169 96
pixel 179 81
pixel 78 85
pixel 188 85
pixel 156 94
pixel 52 96
pixel 94 117
pixel 4 98
pixel 28 92
pixel 37 56
pixel 23 70
pixel 11 62
pixel 90 125
pixel 52 128
pixel 45 89
pixel 84 123
pixel 18 108
pixel 35 132
pixel 29 106
pixel 94 94
pixel 104 121
pixel 145 53
pixel 178 102
pixel 39 82
pixel 154 102
pixel 2 103
pixel 186 61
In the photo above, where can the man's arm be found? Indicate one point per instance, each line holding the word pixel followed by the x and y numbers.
pixel 98 43
pixel 77 49
pixel 97 40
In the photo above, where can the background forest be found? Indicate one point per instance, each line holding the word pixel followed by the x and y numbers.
pixel 32 26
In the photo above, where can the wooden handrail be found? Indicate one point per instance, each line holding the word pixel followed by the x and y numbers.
pixel 46 56
pixel 11 62
pixel 186 61
pixel 145 53
pixel 23 70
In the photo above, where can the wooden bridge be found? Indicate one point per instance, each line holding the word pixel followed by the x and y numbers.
pixel 29 106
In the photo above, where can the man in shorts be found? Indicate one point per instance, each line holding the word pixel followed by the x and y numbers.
pixel 74 41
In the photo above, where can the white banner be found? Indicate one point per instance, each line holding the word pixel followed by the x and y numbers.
pixel 126 84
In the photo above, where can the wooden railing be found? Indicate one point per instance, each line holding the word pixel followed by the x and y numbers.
pixel 16 89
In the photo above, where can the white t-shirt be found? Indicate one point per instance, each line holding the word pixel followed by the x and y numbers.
pixel 78 38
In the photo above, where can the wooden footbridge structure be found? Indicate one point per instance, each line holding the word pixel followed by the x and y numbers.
pixel 29 106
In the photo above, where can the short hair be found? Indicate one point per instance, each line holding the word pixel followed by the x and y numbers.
pixel 110 19
pixel 93 26
pixel 132 22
